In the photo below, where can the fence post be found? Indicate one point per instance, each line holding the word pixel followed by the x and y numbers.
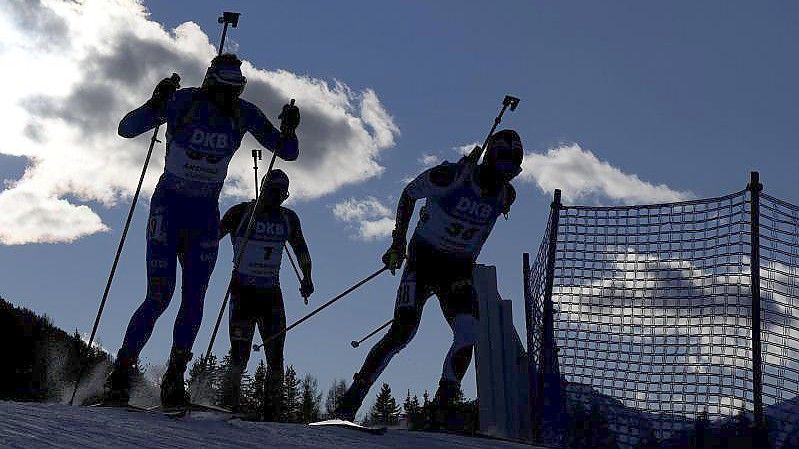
pixel 755 188
pixel 532 394
pixel 549 376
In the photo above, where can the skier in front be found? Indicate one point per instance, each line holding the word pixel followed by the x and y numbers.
pixel 255 294
pixel 205 127
pixel 463 202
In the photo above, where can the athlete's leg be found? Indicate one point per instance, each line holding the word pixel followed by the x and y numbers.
pixel 197 248
pixel 161 268
pixel 411 297
pixel 241 327
pixel 272 320
pixel 460 308
pixel 198 259
pixel 459 304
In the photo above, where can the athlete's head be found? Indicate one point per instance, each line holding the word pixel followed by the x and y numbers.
pixel 223 79
pixel 274 188
pixel 503 156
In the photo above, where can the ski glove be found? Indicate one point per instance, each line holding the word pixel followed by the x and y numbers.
pixel 306 288
pixel 164 90
pixel 289 119
pixel 396 254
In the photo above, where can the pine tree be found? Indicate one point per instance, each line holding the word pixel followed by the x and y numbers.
pixel 223 382
pixel 334 393
pixel 311 403
pixel 292 398
pixel 256 391
pixel 413 412
pixel 202 381
pixel 385 410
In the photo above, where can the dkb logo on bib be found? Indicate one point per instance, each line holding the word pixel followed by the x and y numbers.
pixel 474 208
pixel 212 140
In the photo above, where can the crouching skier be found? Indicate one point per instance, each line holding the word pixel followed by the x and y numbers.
pixel 255 294
pixel 463 202
pixel 205 127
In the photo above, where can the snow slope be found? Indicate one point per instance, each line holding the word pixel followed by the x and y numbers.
pixel 36 425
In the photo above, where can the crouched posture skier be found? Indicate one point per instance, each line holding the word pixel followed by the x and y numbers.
pixel 205 127
pixel 462 206
pixel 255 295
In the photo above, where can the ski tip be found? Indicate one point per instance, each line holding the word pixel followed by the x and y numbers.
pixel 349 425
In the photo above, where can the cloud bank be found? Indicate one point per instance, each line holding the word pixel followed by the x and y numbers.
pixel 582 176
pixel 77 67
pixel 370 219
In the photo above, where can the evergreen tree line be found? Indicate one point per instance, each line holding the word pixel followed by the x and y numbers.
pixel 589 428
pixel 418 414
pixel 302 401
pixel 41 362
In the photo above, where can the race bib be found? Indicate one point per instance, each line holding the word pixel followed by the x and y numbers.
pixel 451 234
pixel 195 165
pixel 261 259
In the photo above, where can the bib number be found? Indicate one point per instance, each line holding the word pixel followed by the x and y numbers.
pixel 456 229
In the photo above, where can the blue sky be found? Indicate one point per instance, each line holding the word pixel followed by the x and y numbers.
pixel 622 102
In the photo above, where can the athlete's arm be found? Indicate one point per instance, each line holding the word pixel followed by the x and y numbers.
pixel 298 244
pixel 232 219
pixel 256 123
pixel 509 199
pixel 429 183
pixel 140 120
pixel 153 112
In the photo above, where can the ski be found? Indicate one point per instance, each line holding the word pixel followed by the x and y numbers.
pixel 128 407
pixel 349 425
pixel 175 412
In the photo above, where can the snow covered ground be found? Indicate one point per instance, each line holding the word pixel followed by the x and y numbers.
pixel 36 425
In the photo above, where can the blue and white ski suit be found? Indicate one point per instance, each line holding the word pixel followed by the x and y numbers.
pixel 183 224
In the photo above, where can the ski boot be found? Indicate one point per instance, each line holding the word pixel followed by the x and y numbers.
pixel 119 381
pixel 352 399
pixel 173 388
pixel 444 416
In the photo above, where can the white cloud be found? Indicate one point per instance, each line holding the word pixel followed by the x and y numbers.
pixel 463 150
pixel 581 175
pixel 28 216
pixel 78 67
pixel 429 160
pixel 371 219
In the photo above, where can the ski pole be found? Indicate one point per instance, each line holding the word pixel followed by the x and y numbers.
pixel 296 271
pixel 153 140
pixel 320 308
pixel 507 102
pixel 231 18
pixel 257 155
pixel 356 343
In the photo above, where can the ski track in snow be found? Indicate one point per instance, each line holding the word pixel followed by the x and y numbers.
pixel 37 425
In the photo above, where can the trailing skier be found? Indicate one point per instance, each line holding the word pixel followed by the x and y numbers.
pixel 463 202
pixel 255 294
pixel 205 127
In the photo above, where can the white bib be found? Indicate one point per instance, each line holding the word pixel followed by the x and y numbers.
pixel 261 259
pixel 202 167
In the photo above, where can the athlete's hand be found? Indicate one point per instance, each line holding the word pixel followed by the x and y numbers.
pixel 289 120
pixel 395 255
pixel 306 288
pixel 164 90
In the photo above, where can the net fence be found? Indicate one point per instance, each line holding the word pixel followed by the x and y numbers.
pixel 652 321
